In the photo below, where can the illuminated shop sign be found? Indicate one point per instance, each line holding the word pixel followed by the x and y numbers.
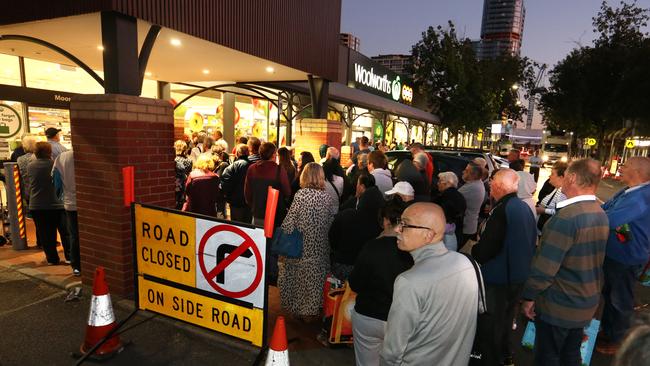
pixel 367 75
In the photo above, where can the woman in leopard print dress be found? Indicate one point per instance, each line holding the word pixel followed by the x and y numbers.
pixel 301 280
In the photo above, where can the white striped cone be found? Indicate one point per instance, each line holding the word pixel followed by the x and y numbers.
pixel 277 358
pixel 101 320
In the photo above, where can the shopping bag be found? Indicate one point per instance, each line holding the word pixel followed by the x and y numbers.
pixel 644 278
pixel 337 311
pixel 588 339
pixel 287 245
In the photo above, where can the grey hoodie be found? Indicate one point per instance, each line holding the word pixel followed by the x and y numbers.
pixel 383 180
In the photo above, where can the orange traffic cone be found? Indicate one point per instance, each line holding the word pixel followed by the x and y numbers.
pixel 278 350
pixel 101 320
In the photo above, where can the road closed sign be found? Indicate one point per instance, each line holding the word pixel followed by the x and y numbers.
pixel 206 272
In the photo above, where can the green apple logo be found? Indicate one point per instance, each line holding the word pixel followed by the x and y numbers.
pixel 396 89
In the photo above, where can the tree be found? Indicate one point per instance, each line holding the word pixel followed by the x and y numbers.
pixel 467 94
pixel 595 89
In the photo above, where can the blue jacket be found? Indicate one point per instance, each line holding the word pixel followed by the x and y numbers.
pixel 631 208
pixel 507 243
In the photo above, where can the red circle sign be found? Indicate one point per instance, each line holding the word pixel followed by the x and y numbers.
pixel 248 243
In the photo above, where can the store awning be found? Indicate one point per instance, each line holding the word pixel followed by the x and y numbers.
pixel 341 93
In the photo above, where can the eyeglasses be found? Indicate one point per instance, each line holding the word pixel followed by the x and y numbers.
pixel 401 225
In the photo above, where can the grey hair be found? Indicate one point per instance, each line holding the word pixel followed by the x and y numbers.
pixel 421 159
pixel 29 143
pixel 362 160
pixel 509 180
pixel 449 177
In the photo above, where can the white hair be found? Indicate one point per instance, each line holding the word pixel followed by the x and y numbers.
pixel 449 177
pixel 509 180
pixel 421 159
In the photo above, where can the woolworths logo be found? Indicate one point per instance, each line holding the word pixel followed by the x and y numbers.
pixel 382 83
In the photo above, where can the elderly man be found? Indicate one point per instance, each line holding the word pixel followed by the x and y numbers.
pixel 628 248
pixel 403 190
pixel 563 290
pixel 474 192
pixel 417 148
pixel 377 164
pixel 504 250
pixel 432 319
pixel 53 138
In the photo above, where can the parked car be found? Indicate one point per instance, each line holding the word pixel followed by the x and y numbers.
pixel 469 154
pixel 502 163
pixel 441 163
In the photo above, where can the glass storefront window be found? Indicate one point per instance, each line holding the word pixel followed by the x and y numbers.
pixel 41 119
pixel 53 76
pixel 9 70
pixel 11 129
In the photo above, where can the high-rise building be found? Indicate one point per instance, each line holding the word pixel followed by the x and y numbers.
pixel 350 41
pixel 502 28
pixel 395 63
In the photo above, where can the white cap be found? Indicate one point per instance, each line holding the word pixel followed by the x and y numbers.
pixel 403 188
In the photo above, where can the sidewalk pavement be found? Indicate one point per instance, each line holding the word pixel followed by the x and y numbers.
pixel 304 350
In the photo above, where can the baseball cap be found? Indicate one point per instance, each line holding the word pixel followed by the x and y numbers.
pixel 51 132
pixel 404 188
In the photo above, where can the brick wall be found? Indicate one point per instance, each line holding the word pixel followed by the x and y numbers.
pixel 108 133
pixel 311 133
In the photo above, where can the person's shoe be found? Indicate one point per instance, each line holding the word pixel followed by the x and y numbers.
pixel 76 272
pixel 607 348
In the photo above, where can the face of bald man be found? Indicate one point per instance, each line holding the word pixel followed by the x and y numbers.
pixel 636 170
pixel 421 224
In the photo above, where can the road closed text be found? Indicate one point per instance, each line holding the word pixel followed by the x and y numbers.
pixel 241 322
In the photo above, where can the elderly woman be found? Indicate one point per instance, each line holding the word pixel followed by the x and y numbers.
pixel 202 187
pixel 301 279
pixel 46 208
pixel 453 204
pixel 375 270
pixel 182 170
pixel 546 207
pixel 29 144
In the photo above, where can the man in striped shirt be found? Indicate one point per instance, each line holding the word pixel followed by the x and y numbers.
pixel 563 289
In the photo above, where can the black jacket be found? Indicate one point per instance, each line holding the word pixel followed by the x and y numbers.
pixel 352 228
pixel 377 266
pixel 453 204
pixel 407 172
pixel 232 182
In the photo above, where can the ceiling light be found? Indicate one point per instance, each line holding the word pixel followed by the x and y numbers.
pixel 270 69
pixel 148 73
pixel 100 48
pixel 206 71
pixel 175 42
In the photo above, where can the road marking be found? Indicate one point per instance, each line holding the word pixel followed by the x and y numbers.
pixel 53 296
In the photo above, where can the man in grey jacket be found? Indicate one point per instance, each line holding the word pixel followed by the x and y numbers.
pixel 474 192
pixel 432 320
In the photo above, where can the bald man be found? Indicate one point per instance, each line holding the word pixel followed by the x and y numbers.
pixel 505 249
pixel 628 248
pixel 432 319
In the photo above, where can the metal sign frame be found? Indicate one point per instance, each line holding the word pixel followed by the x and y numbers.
pixel 193 290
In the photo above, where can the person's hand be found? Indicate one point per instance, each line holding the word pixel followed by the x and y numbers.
pixel 540 209
pixel 528 308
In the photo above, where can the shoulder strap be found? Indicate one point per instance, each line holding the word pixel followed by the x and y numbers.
pixel 335 190
pixel 482 303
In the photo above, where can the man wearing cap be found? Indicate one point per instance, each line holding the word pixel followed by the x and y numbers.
pixel 404 190
pixel 53 138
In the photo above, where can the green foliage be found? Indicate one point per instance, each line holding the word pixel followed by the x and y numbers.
pixel 596 88
pixel 467 94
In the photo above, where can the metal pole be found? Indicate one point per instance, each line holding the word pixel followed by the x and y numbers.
pixel 16 207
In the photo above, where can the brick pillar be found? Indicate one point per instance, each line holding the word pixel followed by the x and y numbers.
pixel 108 133
pixel 311 133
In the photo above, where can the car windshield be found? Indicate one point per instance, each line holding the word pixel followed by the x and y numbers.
pixel 556 147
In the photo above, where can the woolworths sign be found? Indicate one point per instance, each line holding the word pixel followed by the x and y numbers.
pixel 365 74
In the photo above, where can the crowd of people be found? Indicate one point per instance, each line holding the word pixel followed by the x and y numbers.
pixel 397 238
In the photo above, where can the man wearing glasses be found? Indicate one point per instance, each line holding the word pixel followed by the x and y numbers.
pixel 432 319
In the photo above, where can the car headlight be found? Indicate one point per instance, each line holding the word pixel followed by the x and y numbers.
pixel 545 158
pixel 564 159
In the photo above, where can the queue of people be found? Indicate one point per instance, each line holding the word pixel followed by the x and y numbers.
pixel 398 246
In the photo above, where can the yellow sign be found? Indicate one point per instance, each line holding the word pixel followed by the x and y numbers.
pixel 238 321
pixel 202 271
pixel 166 245
pixel 591 141
pixel 630 144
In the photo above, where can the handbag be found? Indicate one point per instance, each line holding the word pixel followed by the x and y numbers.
pixel 287 245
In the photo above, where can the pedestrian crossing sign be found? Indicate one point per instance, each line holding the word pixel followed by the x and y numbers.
pixel 630 144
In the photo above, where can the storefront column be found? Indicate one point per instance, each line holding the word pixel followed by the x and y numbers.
pixel 120 42
pixel 314 132
pixel 229 118
pixel 111 132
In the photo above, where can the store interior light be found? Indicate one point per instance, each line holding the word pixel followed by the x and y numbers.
pixel 175 42
pixel 100 48
pixel 206 71
pixel 148 73
pixel 270 69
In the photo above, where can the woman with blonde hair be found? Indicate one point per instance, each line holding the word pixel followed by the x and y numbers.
pixel 301 279
pixel 202 187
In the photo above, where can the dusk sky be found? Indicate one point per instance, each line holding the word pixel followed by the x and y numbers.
pixel 551 29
